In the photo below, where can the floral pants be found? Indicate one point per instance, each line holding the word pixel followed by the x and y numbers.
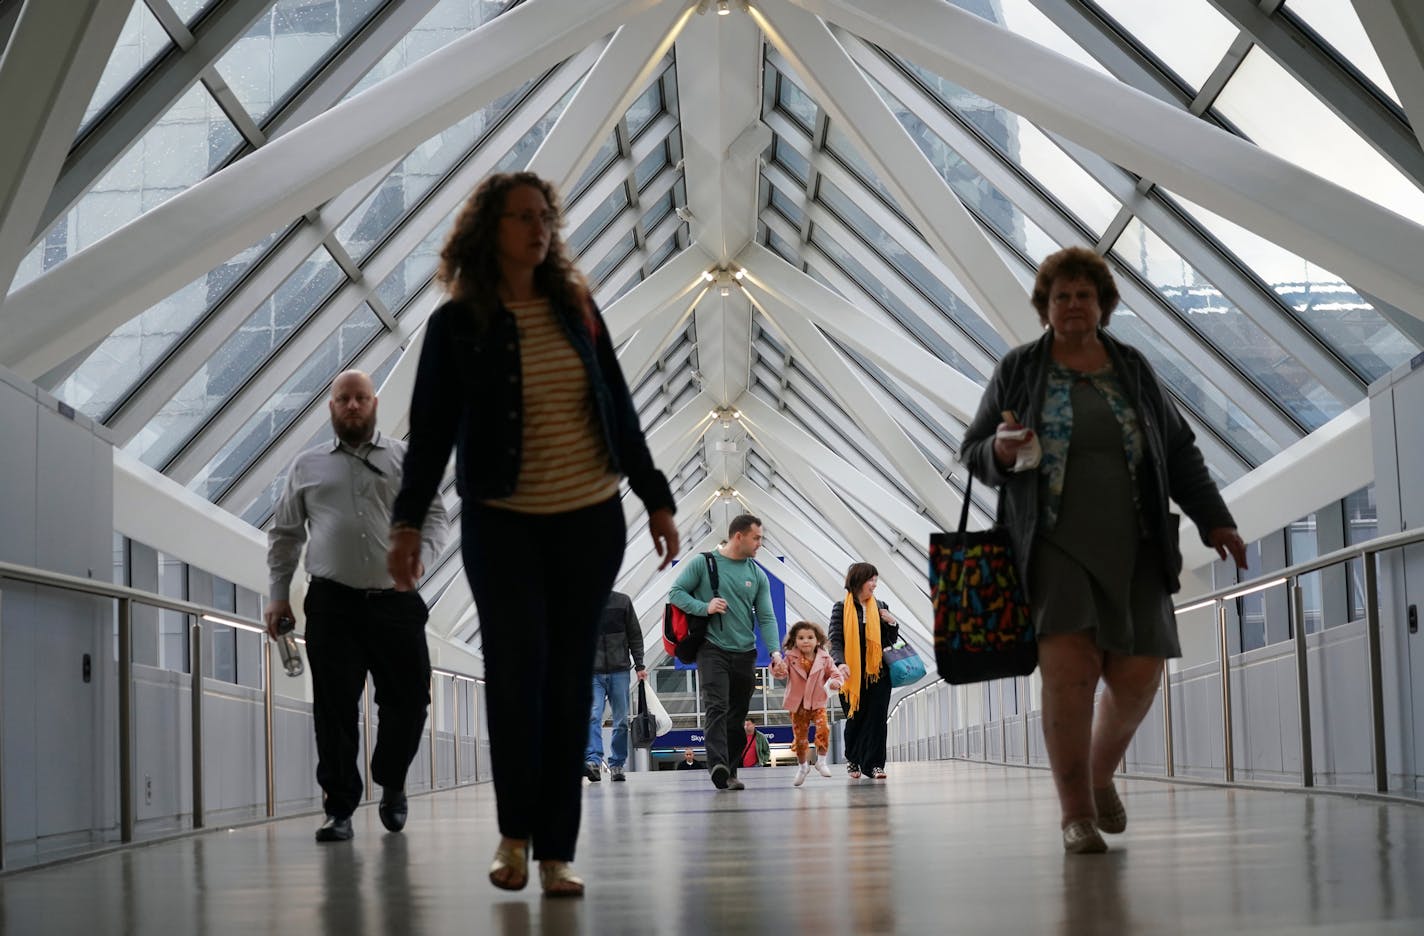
pixel 801 720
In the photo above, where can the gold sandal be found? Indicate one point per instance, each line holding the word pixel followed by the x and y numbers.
pixel 559 880
pixel 510 868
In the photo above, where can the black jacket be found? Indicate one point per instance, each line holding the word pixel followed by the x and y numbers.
pixel 889 633
pixel 1174 465
pixel 468 394
pixel 618 635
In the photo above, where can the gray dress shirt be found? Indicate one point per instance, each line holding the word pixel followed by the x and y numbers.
pixel 338 501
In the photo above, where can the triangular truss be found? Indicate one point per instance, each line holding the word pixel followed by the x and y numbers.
pixel 811 224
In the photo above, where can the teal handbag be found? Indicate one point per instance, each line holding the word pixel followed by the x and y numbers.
pixel 906 667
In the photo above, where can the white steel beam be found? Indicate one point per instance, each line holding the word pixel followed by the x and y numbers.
pixel 1396 30
pixel 673 281
pixel 631 59
pixel 673 438
pixel 167 247
pixel 48 72
pixel 769 277
pixel 922 192
pixel 642 350
pixel 1369 246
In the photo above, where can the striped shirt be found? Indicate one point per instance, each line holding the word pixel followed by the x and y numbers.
pixel 564 461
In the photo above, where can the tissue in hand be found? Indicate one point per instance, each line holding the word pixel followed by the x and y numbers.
pixel 1029 454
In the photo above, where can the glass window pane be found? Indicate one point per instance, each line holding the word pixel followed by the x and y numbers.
pixel 792 161
pixel 447 21
pixel 416 175
pixel 651 166
pixel 1030 149
pixel 796 102
pixel 647 107
pixel 1339 24
pixel 189 10
pixel 286 45
pixel 790 207
pixel 604 158
pixel 1280 115
pixel 413 272
pixel 141 41
pixel 187 143
pixel 520 153
pixel 1333 310
pixel 135 349
pixel 838 144
pixel 290 401
pixel 1189 36
pixel 241 356
pixel 1024 18
pixel 782 246
pixel 615 256
pixel 596 222
pixel 661 255
pixel 1205 309
pixel 659 210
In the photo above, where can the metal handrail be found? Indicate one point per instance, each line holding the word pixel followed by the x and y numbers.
pixel 1288 577
pixel 127 597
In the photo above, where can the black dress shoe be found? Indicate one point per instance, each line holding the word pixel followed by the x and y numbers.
pixel 334 830
pixel 393 811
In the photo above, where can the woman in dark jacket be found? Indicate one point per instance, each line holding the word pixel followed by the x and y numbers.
pixel 518 374
pixel 861 627
pixel 1092 529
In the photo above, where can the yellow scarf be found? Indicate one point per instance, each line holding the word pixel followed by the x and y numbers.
pixel 850 622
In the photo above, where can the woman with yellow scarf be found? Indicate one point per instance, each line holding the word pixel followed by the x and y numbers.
pixel 860 627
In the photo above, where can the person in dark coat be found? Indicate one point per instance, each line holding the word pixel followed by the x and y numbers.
pixel 861 626
pixel 619 638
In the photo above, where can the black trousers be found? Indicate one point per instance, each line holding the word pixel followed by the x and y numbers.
pixel 540 584
pixel 727 681
pixel 865 733
pixel 350 632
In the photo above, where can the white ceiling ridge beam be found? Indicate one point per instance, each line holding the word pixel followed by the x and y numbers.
pixel 672 282
pixel 167 247
pixel 161 513
pixel 1369 246
pixel 1396 30
pixel 630 60
pixel 143 105
pixel 673 438
pixel 933 207
pixel 843 527
pixel 774 278
pixel 1335 460
pixel 843 383
pixel 641 351
pixel 764 422
pixel 49 69
pixel 412 232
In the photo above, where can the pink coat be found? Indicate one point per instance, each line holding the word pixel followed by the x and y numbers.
pixel 805 689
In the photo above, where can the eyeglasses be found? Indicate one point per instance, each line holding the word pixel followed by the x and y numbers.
pixel 546 218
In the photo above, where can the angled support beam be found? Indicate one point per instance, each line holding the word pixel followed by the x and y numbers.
pixel 142 106
pixel 844 385
pixel 1396 30
pixel 640 562
pixel 922 192
pixel 1374 120
pixel 167 247
pixel 768 277
pixel 674 280
pixel 1117 54
pixel 48 72
pixel 1370 247
pixel 643 348
pixel 673 438
pixel 629 61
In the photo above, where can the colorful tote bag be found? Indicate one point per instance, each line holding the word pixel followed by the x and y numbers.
pixel 906 667
pixel 982 627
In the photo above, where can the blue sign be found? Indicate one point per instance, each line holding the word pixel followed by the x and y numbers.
pixel 680 738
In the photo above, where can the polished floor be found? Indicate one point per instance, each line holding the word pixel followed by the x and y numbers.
pixel 936 848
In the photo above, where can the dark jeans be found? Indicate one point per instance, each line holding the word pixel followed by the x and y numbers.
pixel 727 682
pixel 865 733
pixel 350 632
pixel 540 584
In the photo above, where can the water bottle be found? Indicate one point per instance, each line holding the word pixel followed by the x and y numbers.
pixel 287 645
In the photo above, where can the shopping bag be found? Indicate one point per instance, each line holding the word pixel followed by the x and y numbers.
pixel 982 626
pixel 906 667
pixel 655 706
pixel 642 724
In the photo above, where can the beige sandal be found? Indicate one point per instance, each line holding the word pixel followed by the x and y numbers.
pixel 1112 815
pixel 559 880
pixel 510 868
pixel 1080 837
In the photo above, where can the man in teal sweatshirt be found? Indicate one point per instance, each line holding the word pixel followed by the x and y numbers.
pixel 727 660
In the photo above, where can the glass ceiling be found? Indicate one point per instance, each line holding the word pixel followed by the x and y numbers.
pixel 221 383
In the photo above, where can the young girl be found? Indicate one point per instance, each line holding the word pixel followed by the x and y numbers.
pixel 811 676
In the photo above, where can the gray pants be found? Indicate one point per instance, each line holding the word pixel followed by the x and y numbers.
pixel 727 683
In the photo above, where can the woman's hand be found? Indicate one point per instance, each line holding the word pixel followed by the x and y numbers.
pixel 403 558
pixel 1226 540
pixel 888 618
pixel 1006 450
pixel 665 536
pixel 844 671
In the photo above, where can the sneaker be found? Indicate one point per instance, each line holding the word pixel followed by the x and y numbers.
pixel 735 784
pixel 1112 815
pixel 335 830
pixel 823 768
pixel 720 776
pixel 801 773
pixel 593 771
pixel 616 773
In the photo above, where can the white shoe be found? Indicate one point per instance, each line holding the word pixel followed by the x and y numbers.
pixel 822 767
pixel 801 773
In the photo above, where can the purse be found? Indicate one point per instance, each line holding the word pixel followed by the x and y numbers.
pixel 906 667
pixel 982 626
pixel 642 724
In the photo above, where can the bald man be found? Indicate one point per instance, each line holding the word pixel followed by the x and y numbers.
pixel 337 501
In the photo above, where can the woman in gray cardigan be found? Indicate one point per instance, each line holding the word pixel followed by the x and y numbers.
pixel 1092 527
